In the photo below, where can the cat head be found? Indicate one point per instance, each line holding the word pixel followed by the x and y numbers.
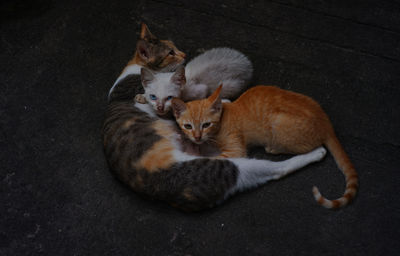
pixel 161 88
pixel 199 119
pixel 155 54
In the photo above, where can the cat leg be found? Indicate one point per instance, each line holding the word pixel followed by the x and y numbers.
pixel 271 150
pixel 139 98
pixel 234 148
pixel 231 154
pixel 254 172
pixel 283 168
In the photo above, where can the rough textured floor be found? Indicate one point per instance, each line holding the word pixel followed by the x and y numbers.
pixel 59 59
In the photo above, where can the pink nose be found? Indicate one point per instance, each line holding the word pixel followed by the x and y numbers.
pixel 197 138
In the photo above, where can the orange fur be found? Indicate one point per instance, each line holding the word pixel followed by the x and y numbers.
pixel 281 121
pixel 178 57
pixel 160 155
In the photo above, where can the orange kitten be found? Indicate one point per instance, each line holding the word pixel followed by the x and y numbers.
pixel 281 121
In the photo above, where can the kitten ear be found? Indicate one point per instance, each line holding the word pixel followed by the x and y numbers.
pixel 178 107
pixel 145 33
pixel 215 99
pixel 179 77
pixel 146 76
pixel 143 49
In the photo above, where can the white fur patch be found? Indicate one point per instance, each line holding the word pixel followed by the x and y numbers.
pixel 133 69
pixel 254 172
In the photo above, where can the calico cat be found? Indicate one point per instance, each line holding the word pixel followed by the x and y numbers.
pixel 203 75
pixel 281 121
pixel 145 153
pixel 152 53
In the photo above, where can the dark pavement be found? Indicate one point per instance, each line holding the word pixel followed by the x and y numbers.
pixel 59 58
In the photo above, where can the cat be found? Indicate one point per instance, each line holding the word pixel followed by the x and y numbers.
pixel 282 121
pixel 144 152
pixel 152 53
pixel 203 75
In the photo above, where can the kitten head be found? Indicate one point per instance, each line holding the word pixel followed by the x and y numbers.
pixel 155 54
pixel 199 119
pixel 161 88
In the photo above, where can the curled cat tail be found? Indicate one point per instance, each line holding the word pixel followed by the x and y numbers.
pixel 345 165
pixel 127 85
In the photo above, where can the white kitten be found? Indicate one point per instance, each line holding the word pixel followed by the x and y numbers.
pixel 160 88
pixel 203 75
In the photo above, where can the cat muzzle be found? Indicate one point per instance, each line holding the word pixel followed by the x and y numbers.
pixel 198 139
pixel 160 108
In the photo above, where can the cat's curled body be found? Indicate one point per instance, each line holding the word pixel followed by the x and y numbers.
pixel 282 121
pixel 144 152
pixel 198 79
pixel 214 67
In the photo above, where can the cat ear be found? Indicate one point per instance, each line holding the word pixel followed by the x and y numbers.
pixel 179 77
pixel 146 76
pixel 142 49
pixel 215 99
pixel 145 33
pixel 178 107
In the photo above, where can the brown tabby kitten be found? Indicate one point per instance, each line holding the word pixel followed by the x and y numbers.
pixel 145 152
pixel 281 121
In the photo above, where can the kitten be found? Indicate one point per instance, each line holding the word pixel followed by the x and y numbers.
pixel 152 53
pixel 203 75
pixel 280 120
pixel 145 153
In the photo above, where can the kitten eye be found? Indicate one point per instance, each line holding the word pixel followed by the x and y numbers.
pixel 153 97
pixel 172 52
pixel 170 97
pixel 206 125
pixel 187 126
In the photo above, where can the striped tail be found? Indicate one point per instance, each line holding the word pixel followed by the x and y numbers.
pixel 345 165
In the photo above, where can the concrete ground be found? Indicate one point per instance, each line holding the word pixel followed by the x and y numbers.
pixel 59 58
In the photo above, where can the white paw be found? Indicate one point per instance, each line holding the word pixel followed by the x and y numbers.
pixel 318 153
pixel 225 101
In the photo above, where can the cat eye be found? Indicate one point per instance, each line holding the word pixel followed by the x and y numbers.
pixel 206 125
pixel 169 97
pixel 172 52
pixel 153 97
pixel 187 126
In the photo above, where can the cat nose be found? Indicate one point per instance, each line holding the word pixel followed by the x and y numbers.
pixel 197 138
pixel 159 108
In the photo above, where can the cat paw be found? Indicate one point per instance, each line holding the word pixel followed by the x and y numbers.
pixel 272 151
pixel 139 98
pixel 318 153
pixel 225 101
